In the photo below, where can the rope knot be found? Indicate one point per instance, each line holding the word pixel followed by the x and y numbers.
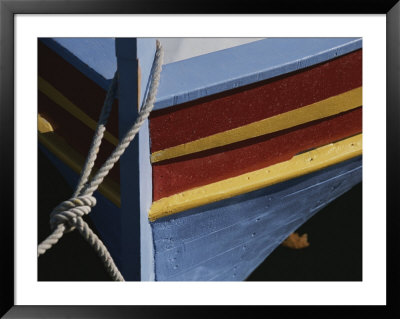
pixel 70 210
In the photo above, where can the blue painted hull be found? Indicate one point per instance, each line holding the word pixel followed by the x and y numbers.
pixel 229 239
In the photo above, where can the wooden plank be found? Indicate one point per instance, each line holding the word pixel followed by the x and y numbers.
pixel 199 169
pixel 146 50
pixel 204 75
pixel 135 172
pixel 129 217
pixel 224 70
pixel 227 240
pixel 306 114
pixel 297 166
pixel 190 224
pixel 239 107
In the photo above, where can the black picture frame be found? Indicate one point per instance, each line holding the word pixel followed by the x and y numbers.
pixel 8 10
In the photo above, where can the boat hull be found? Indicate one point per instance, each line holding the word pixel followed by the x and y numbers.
pixel 190 199
pixel 226 240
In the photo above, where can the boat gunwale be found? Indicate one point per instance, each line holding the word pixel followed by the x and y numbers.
pixel 248 73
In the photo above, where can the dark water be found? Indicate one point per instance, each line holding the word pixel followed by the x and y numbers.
pixel 334 254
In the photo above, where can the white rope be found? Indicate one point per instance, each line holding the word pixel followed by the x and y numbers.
pixel 98 135
pixel 68 215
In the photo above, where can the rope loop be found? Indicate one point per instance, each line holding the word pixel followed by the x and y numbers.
pixel 70 210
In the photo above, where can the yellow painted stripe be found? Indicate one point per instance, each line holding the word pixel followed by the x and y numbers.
pixel 44 126
pixel 72 159
pixel 297 166
pixel 56 96
pixel 325 108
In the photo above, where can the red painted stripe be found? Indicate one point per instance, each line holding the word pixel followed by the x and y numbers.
pixel 190 121
pixel 176 175
pixel 74 85
pixel 74 132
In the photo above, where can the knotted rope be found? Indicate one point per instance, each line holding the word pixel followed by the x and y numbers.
pixel 68 215
pixel 68 211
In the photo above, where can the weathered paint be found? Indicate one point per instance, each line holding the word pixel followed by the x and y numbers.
pixel 247 104
pixel 183 173
pixel 322 109
pixel 228 239
pixel 204 75
pixel 297 166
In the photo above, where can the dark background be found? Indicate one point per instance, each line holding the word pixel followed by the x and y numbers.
pixel 334 233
